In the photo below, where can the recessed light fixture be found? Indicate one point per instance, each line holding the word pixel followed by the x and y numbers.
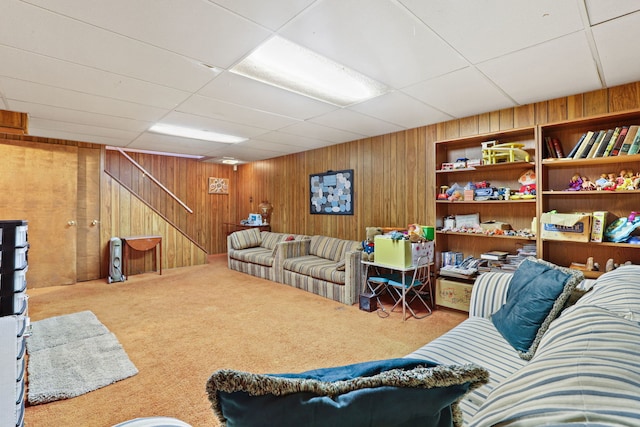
pixel 289 66
pixel 196 133
pixel 230 161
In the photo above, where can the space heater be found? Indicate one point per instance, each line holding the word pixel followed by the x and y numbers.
pixel 115 261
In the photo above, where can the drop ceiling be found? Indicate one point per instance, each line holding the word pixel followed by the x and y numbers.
pixel 106 71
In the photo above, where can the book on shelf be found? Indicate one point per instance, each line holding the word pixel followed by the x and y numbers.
pixel 621 136
pixel 612 141
pixel 557 148
pixel 575 148
pixel 579 148
pixel 602 146
pixel 635 145
pixel 587 146
pixel 550 151
pixel 596 145
pixel 628 140
pixel 494 255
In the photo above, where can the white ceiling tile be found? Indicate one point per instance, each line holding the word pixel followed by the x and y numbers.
pixel 215 109
pixel 560 67
pixel 603 10
pixel 23 65
pixel 481 30
pixel 271 14
pixel 212 125
pixel 620 63
pixel 41 94
pixel 401 109
pixel 355 122
pixel 87 45
pixel 240 90
pixel 194 28
pixel 380 40
pixel 45 132
pixel 294 140
pixel 81 129
pixel 66 115
pixel 173 144
pixel 321 132
pixel 461 93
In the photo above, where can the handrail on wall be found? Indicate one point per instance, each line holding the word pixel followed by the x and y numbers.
pixel 187 208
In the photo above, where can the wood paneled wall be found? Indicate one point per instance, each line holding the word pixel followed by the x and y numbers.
pixel 188 180
pixel 394 174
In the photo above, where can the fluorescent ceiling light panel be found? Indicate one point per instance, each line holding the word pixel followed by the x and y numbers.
pixel 195 133
pixel 284 64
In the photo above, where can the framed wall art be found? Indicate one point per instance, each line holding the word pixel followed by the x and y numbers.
pixel 331 192
pixel 218 185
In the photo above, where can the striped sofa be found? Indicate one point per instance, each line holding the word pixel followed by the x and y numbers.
pixel 257 252
pixel 326 266
pixel 585 371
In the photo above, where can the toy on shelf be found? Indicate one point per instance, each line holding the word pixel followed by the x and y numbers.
pixel 620 229
pixel 576 183
pixel 527 188
pixel 506 152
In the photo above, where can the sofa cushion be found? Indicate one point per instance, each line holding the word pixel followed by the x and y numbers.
pixel 400 392
pixel 617 291
pixel 477 341
pixel 537 294
pixel 586 372
pixel 270 240
pixel 257 255
pixel 327 247
pixel 316 267
pixel 249 238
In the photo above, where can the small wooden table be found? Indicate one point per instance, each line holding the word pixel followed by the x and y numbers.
pixel 142 243
pixel 232 226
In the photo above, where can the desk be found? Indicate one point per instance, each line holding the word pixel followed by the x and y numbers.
pixel 141 243
pixel 232 226
pixel 403 271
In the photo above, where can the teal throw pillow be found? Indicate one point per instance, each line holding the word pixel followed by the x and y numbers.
pixel 399 392
pixel 537 294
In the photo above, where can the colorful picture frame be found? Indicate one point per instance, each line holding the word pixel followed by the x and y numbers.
pixel 331 193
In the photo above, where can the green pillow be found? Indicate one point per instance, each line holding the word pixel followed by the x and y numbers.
pixel 399 392
pixel 537 294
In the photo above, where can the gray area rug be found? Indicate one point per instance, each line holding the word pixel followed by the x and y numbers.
pixel 71 355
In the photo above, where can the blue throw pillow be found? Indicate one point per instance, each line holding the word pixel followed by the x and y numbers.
pixel 399 392
pixel 537 293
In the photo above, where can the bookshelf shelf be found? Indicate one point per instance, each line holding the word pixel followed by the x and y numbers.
pixel 480 235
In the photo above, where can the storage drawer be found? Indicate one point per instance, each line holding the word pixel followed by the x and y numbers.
pixel 452 294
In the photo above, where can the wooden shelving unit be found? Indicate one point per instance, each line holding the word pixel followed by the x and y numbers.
pixel 554 176
pixel 518 213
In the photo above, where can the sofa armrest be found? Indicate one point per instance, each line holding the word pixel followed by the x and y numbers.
pixel 489 293
pixel 288 249
pixel 353 272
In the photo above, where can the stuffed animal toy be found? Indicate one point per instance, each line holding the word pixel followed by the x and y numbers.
pixel 527 183
pixel 368 244
pixel 415 233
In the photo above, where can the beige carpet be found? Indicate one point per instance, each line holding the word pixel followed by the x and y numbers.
pixel 179 327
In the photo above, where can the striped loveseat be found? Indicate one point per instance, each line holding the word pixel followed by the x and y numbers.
pixel 584 372
pixel 326 266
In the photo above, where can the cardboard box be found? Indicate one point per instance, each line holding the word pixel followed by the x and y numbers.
pixel 575 227
pixel 400 253
pixel 452 294
pixel 598 226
